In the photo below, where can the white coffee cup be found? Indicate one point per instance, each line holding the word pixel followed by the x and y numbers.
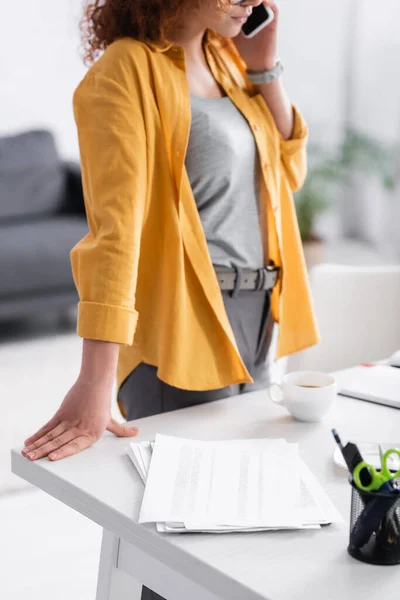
pixel 307 395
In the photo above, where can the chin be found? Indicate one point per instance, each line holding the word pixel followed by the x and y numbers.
pixel 229 30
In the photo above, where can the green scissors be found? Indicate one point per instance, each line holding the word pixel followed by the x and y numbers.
pixel 378 478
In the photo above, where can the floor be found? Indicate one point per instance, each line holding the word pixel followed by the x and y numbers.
pixel 41 541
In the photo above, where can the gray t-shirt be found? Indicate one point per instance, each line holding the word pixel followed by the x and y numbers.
pixel 223 169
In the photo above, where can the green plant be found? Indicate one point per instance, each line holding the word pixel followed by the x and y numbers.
pixel 357 153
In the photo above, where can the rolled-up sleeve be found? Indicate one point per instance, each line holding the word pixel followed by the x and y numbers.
pixel 112 144
pixel 294 152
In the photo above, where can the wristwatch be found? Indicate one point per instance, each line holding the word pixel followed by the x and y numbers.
pixel 259 77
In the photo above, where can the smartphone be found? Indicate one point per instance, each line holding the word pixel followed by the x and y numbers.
pixel 259 18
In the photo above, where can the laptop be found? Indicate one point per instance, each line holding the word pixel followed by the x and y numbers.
pixel 373 383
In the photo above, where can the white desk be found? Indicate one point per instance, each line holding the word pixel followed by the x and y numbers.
pixel 102 484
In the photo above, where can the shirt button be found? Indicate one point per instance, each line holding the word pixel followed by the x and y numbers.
pixel 265 166
pixel 230 90
pixel 178 154
pixel 256 127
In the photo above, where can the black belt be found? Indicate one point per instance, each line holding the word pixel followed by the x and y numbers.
pixel 260 279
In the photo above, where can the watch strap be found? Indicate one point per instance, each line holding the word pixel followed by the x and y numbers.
pixel 261 77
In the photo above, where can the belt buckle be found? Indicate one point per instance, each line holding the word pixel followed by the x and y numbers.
pixel 272 268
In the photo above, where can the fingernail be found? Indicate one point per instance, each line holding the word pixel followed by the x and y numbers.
pixel 24 451
pixel 53 455
pixel 31 455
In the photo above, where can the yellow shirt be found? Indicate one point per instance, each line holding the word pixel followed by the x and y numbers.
pixel 143 272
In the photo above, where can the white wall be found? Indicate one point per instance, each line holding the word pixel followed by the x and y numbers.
pixel 375 111
pixel 313 46
pixel 39 68
pixel 376 102
pixel 40 65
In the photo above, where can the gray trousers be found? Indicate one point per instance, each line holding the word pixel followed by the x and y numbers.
pixel 143 394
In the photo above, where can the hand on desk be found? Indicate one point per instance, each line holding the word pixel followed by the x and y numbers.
pixel 81 420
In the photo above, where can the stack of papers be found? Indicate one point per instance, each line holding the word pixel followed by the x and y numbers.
pixel 228 486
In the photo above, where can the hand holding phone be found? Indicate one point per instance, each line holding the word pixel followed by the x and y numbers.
pixel 259 52
pixel 259 18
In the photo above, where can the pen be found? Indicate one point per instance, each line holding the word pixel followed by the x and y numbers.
pixel 372 513
pixel 352 457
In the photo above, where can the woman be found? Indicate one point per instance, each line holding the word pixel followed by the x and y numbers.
pixel 189 163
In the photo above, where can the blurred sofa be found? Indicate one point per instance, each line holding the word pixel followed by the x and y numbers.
pixel 42 216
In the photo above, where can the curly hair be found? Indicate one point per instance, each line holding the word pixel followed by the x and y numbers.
pixel 105 21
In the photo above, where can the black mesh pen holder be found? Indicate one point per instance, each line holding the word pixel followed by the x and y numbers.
pixel 374 527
